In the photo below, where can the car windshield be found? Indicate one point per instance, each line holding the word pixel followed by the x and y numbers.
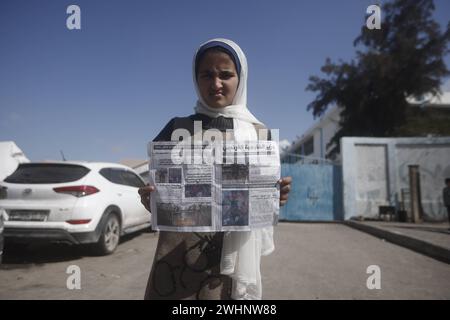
pixel 47 173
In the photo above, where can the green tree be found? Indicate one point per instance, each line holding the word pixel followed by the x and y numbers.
pixel 403 58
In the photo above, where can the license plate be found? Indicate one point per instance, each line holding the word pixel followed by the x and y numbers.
pixel 27 215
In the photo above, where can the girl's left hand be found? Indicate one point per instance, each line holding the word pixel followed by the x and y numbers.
pixel 285 187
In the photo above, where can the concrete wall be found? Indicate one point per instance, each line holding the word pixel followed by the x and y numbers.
pixel 376 169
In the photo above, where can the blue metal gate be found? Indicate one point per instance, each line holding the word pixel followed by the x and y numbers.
pixel 316 193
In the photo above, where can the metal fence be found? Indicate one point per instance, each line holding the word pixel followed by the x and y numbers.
pixel 316 193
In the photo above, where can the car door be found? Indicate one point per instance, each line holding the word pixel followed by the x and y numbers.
pixel 131 201
pixel 135 182
pixel 117 192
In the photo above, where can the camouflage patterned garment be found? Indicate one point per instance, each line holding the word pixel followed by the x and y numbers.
pixel 187 266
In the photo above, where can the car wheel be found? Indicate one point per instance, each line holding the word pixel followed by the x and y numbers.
pixel 110 236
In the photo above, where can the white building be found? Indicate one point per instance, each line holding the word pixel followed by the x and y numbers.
pixel 314 142
pixel 10 158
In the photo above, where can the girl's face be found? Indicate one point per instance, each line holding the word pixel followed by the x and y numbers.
pixel 217 79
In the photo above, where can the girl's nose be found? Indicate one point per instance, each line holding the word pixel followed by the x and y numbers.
pixel 217 83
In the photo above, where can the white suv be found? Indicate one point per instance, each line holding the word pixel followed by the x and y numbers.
pixel 74 202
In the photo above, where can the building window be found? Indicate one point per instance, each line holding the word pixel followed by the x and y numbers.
pixel 308 146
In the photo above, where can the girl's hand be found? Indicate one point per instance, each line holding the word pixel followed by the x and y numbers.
pixel 144 192
pixel 285 187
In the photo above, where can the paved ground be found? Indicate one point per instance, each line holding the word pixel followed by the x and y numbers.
pixel 329 261
pixel 311 261
pixel 40 272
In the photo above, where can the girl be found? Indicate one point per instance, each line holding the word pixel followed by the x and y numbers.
pixel 220 265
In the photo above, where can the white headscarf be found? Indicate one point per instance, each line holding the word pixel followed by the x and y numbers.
pixel 238 109
pixel 241 250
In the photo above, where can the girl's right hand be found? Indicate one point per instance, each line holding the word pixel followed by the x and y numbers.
pixel 144 192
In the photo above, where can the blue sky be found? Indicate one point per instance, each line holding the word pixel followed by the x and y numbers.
pixel 102 92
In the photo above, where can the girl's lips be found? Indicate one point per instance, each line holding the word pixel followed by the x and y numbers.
pixel 217 95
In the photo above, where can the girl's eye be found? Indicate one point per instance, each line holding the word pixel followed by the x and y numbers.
pixel 226 75
pixel 223 76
